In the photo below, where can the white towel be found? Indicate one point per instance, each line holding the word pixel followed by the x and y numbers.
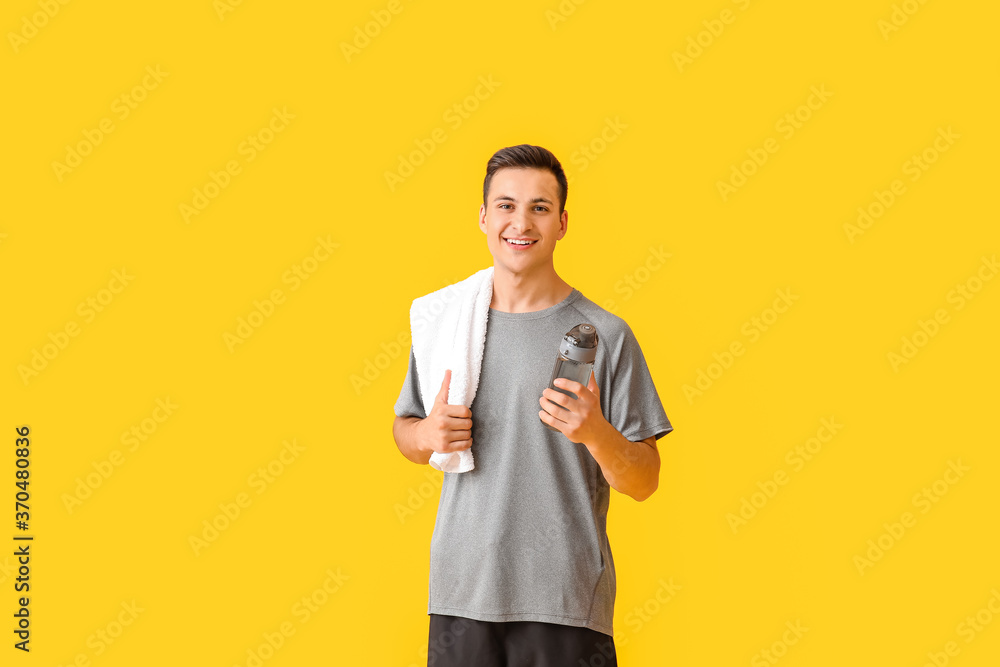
pixel 448 330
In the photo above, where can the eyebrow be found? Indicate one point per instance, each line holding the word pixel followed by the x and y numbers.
pixel 530 201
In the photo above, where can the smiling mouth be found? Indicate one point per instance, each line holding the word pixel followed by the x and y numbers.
pixel 520 243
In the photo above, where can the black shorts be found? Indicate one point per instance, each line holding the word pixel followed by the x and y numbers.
pixel 455 641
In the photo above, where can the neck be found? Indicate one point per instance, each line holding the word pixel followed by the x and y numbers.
pixel 515 292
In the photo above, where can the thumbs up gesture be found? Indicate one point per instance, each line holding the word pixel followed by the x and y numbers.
pixel 448 428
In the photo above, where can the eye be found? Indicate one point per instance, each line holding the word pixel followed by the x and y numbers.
pixel 544 208
pixel 502 205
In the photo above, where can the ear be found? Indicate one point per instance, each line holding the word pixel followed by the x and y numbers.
pixel 482 217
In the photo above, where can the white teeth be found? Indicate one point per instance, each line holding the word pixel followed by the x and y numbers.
pixel 519 242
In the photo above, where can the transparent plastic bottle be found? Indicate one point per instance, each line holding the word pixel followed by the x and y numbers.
pixel 575 360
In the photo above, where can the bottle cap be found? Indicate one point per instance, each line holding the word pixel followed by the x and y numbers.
pixel 580 343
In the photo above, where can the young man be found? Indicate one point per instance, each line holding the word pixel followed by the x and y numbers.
pixel 521 569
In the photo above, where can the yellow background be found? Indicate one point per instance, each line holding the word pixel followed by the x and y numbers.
pixel 336 505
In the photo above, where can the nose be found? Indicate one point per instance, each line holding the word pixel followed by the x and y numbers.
pixel 519 220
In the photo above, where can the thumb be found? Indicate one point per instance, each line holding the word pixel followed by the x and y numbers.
pixel 442 396
pixel 592 385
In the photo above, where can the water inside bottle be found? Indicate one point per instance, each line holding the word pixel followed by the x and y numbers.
pixel 571 370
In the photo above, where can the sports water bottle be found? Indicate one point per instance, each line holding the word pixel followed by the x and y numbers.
pixel 575 360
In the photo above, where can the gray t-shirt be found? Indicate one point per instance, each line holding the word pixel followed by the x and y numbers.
pixel 523 536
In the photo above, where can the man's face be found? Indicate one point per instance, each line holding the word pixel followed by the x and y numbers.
pixel 522 205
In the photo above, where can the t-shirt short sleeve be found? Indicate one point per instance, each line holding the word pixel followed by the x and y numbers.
pixel 635 409
pixel 409 403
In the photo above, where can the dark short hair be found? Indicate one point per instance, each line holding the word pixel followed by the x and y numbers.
pixel 526 156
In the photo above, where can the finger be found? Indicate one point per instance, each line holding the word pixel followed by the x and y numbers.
pixel 592 385
pixel 458 445
pixel 442 396
pixel 556 411
pixel 457 435
pixel 556 397
pixel 456 424
pixel 569 385
pixel 550 420
pixel 456 410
